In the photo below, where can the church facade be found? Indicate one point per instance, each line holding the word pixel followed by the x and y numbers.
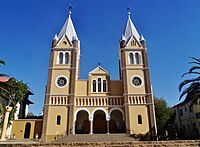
pixel 98 104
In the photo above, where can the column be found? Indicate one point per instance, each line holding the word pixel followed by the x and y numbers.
pixel 5 123
pixel 91 125
pixel 108 120
pixel 74 126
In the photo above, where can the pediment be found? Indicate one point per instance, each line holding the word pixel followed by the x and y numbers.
pixel 132 42
pixel 99 70
pixel 64 42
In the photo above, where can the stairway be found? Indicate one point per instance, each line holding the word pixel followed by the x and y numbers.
pixel 95 138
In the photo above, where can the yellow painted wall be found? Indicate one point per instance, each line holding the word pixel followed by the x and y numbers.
pixel 18 128
pixel 132 89
pixel 136 128
pixel 81 88
pixel 52 128
pixel 116 88
pixel 54 89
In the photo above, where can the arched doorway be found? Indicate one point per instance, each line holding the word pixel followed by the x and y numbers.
pixel 116 124
pixel 27 130
pixel 99 122
pixel 82 125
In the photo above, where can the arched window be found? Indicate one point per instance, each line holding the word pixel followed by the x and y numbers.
pixel 133 43
pixel 137 58
pixel 139 119
pixel 61 58
pixel 99 84
pixel 104 85
pixel 66 58
pixel 58 119
pixel 94 87
pixel 131 58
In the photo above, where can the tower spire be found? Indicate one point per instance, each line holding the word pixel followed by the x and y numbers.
pixel 130 29
pixel 68 28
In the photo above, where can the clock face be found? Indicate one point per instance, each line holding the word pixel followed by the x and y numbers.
pixel 136 81
pixel 61 81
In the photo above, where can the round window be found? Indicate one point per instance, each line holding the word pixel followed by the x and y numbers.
pixel 136 81
pixel 61 82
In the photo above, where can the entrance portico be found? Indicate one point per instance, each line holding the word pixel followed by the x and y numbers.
pixel 99 121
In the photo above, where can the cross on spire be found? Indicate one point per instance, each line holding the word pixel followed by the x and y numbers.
pixel 70 8
pixel 129 11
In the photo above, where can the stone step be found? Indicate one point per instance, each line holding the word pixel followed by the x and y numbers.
pixel 95 138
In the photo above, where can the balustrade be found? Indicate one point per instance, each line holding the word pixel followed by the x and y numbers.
pixel 62 100
pixel 99 101
pixel 137 100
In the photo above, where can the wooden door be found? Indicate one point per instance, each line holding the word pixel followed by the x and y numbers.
pixel 86 127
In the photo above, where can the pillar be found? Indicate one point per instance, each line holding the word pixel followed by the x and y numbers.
pixel 74 125
pixel 108 120
pixel 91 125
pixel 5 122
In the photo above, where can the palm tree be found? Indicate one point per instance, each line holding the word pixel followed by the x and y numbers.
pixel 192 92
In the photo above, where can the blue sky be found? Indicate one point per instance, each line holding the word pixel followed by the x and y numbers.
pixel 171 28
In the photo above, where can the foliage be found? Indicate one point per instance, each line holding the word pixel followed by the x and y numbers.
pixel 192 92
pixel 3 85
pixel 18 90
pixel 164 114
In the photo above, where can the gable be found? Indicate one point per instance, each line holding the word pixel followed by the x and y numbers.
pixel 132 42
pixel 64 42
pixel 99 70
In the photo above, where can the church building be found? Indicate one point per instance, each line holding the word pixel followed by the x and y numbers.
pixel 98 104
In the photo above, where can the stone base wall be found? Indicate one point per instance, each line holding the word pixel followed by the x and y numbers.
pixel 175 143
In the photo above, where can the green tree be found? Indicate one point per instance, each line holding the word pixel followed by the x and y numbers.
pixel 17 92
pixel 3 85
pixel 192 92
pixel 164 114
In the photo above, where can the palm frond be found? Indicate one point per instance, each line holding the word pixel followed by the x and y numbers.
pixel 183 93
pixel 191 89
pixel 194 68
pixel 184 83
pixel 194 63
pixel 2 62
pixel 3 75
pixel 190 73
pixel 198 60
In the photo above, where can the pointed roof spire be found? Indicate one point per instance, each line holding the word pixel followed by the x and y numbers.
pixel 123 38
pixel 55 37
pixel 68 28
pixel 142 38
pixel 130 29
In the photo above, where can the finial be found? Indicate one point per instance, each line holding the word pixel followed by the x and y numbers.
pixel 70 8
pixel 123 38
pixel 129 11
pixel 55 37
pixel 99 64
pixel 142 38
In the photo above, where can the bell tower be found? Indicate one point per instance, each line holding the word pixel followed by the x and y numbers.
pixel 62 75
pixel 134 72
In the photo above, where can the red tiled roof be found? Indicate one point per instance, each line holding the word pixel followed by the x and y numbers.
pixel 4 79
